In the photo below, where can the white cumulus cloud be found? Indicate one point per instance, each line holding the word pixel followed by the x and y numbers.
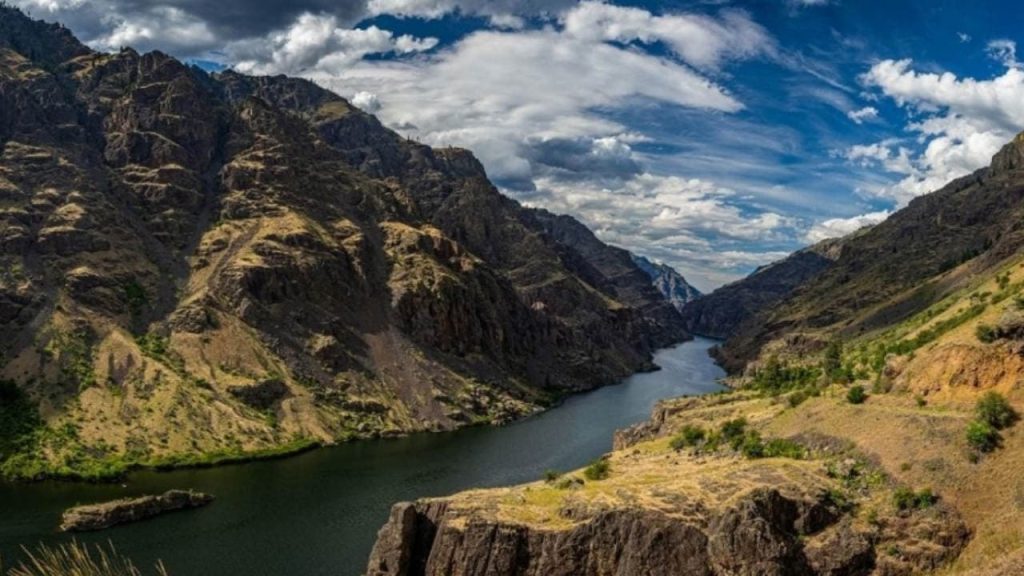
pixel 838 227
pixel 960 123
pixel 866 113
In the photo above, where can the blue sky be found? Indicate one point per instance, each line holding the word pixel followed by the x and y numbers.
pixel 715 136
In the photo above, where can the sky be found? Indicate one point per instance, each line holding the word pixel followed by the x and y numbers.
pixel 712 135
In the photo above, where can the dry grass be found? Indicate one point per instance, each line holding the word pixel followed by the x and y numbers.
pixel 77 559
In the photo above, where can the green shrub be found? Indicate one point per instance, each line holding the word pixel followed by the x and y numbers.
pixel 797 398
pixel 690 435
pixel 994 409
pixel 856 394
pixel 752 446
pixel 921 402
pixel 782 448
pixel 777 376
pixel 551 475
pixel 982 436
pixel 598 470
pixel 906 499
pixel 986 333
pixel 733 429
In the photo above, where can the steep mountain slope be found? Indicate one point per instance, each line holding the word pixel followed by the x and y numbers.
pixel 668 282
pixel 721 313
pixel 197 266
pixel 904 264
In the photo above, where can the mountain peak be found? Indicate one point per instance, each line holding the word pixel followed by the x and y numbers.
pixel 45 43
pixel 1010 157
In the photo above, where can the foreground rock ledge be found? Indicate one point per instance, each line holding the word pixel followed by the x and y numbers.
pixel 125 510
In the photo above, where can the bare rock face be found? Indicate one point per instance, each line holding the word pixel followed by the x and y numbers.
pixel 763 533
pixel 101 516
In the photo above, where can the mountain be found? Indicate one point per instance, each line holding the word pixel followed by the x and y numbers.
pixel 198 267
pixel 938 244
pixel 721 313
pixel 873 426
pixel 669 283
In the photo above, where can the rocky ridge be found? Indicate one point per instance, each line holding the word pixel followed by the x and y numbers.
pixel 669 283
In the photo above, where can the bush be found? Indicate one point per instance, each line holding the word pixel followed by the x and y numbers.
pixel 781 448
pixel 690 435
pixel 598 470
pixel 777 376
pixel 921 402
pixel 986 333
pixel 856 394
pixel 797 398
pixel 734 429
pixel 752 446
pixel 551 475
pixel 906 499
pixel 982 436
pixel 994 409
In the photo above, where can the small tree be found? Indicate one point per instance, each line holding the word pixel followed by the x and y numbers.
pixel 598 470
pixel 982 436
pixel 856 394
pixel 994 409
pixel 690 435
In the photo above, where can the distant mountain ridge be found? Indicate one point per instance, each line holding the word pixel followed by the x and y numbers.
pixel 721 313
pixel 669 283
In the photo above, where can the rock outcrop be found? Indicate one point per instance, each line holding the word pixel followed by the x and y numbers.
pixel 697 507
pixel 127 510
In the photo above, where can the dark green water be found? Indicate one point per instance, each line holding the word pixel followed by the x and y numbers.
pixel 318 513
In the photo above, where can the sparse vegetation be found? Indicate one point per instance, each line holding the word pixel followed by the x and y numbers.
pixel 994 409
pixel 982 437
pixel 905 499
pixel 135 298
pixel 778 376
pixel 856 394
pixel 985 333
pixel 992 414
pixel 689 436
pixel 551 475
pixel 598 470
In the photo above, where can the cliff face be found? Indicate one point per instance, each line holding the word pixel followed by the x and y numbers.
pixel 221 263
pixel 668 282
pixel 664 509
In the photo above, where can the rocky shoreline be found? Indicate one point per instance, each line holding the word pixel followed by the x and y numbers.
pixel 126 510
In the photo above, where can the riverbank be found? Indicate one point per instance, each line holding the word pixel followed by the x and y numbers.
pixel 319 512
pixel 117 468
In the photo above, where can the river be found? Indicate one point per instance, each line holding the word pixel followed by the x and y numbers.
pixel 318 512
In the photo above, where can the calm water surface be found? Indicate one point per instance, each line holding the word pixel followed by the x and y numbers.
pixel 318 513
